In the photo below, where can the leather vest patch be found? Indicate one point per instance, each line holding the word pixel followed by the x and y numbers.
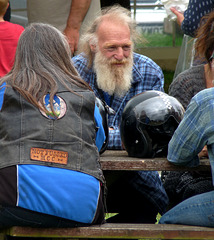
pixel 73 132
pixel 59 106
pixel 49 155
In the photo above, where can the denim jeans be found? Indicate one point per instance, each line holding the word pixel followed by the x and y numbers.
pixel 197 210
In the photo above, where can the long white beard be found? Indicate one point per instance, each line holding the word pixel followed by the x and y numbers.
pixel 113 79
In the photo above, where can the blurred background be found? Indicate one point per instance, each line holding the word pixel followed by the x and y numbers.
pixel 161 38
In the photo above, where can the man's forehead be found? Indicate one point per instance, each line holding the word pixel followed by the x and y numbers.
pixel 113 27
pixel 118 43
pixel 114 34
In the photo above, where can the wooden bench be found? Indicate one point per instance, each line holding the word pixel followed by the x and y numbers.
pixel 117 231
pixel 119 161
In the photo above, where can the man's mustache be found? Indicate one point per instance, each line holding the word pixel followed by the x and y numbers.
pixel 114 61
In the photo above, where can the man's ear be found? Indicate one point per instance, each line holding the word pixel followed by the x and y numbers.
pixel 93 48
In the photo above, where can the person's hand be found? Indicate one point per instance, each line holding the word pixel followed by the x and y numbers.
pixel 179 15
pixel 203 153
pixel 72 36
pixel 78 11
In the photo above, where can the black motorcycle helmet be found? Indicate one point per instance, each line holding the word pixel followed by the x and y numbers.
pixel 105 110
pixel 148 122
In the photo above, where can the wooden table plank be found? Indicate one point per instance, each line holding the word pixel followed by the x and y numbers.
pixel 120 231
pixel 119 160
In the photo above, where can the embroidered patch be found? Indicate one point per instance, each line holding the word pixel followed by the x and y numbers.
pixel 59 107
pixel 49 155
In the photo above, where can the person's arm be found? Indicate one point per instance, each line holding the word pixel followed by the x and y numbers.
pixel 78 11
pixel 151 74
pixel 192 16
pixel 100 133
pixel 189 20
pixel 155 79
pixel 179 15
pixel 2 91
pixel 158 81
pixel 182 88
pixel 193 133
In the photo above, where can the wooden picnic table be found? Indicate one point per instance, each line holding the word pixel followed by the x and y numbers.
pixel 115 160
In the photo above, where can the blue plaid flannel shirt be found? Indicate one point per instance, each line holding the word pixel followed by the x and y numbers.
pixel 194 132
pixel 147 75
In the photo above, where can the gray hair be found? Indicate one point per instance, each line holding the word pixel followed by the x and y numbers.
pixel 43 59
pixel 114 13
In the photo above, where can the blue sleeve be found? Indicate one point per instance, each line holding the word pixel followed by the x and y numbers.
pixel 100 136
pixel 2 90
pixel 191 135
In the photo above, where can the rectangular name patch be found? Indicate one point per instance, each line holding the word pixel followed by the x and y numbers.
pixel 49 155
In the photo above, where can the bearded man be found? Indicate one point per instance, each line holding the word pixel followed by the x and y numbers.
pixel 116 74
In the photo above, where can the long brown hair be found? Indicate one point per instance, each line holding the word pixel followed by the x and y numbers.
pixel 204 44
pixel 43 58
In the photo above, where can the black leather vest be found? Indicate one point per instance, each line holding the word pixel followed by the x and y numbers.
pixel 28 137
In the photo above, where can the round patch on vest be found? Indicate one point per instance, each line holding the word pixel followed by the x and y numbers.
pixel 59 106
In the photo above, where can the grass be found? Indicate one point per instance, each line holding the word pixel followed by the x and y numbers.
pixel 159 40
pixel 168 77
pixel 162 40
pixel 108 215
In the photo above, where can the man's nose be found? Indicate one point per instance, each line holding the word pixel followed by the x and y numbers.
pixel 119 55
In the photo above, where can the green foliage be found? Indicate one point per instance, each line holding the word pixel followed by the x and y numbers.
pixel 108 215
pixel 159 40
pixel 158 218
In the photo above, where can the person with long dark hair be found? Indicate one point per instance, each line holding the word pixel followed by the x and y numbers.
pixel 49 165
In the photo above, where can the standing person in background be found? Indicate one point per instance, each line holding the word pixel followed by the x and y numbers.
pixel 197 78
pixel 9 36
pixel 189 23
pixel 69 16
pixel 49 177
pixel 190 19
pixel 116 74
